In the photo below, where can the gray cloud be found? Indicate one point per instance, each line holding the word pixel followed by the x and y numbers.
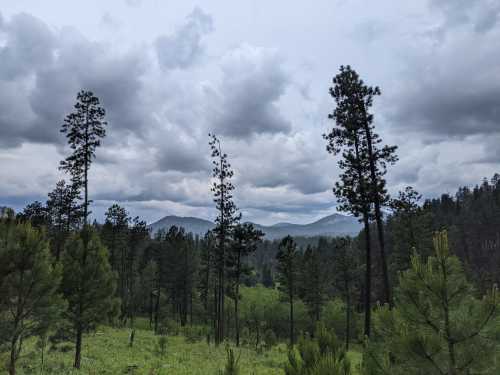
pixel 44 71
pixel 481 15
pixel 183 155
pixel 263 88
pixel 450 111
pixel 29 45
pixel 253 82
pixel 184 47
pixel 452 88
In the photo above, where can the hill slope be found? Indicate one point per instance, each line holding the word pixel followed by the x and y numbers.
pixel 332 225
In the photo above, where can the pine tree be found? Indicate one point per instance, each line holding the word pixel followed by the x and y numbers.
pixel 314 281
pixel 353 190
pixel 84 129
pixel 181 263
pixel 438 326
pixel 378 159
pixel 115 238
pixel 65 214
pixel 227 217
pixel 288 274
pixel 405 224
pixel 88 285
pixel 29 299
pixel 207 276
pixel 245 238
pixel 35 213
pixel 345 271
pixel 138 236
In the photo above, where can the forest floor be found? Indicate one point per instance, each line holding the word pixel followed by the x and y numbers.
pixel 107 352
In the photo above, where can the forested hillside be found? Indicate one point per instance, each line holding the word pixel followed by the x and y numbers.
pixel 329 226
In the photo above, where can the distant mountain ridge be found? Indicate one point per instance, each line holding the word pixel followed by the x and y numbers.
pixel 332 225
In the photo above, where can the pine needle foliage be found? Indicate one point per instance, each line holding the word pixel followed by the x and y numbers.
pixel 439 326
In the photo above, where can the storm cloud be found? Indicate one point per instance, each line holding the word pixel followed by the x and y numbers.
pixel 257 75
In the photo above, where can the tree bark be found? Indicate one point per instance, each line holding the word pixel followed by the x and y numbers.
pixel 368 277
pixel 378 217
pixel 78 348
pixel 348 315
pixel 292 325
pixel 13 356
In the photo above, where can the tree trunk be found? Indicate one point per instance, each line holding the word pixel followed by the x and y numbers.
pixel 383 258
pixel 292 326
pixel 151 309
pixel 236 321
pixel 347 316
pixel 13 356
pixel 78 348
pixel 85 180
pixel 157 310
pixel 236 299
pixel 368 276
pixel 378 216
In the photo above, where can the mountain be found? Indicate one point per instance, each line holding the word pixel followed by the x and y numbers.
pixel 190 224
pixel 332 225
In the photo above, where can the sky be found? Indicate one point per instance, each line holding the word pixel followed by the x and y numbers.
pixel 257 74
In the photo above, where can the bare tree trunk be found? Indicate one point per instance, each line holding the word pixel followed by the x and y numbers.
pixel 78 348
pixel 13 356
pixel 378 217
pixel 368 276
pixel 157 310
pixel 292 324
pixel 236 320
pixel 348 315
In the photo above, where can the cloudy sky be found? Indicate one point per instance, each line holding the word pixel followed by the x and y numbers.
pixel 257 74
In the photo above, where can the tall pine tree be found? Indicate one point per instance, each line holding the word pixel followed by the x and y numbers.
pixel 84 129
pixel 353 189
pixel 222 189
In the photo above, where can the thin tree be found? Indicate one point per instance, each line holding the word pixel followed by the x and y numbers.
pixel 245 239
pixel 288 274
pixel 361 97
pixel 207 276
pixel 353 189
pixel 344 269
pixel 84 129
pixel 222 189
pixel 88 285
pixel 138 236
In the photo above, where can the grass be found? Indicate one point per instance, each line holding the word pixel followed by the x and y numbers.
pixel 107 352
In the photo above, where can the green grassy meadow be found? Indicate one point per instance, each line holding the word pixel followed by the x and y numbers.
pixel 107 352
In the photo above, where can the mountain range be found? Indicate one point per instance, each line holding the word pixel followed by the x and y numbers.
pixel 332 225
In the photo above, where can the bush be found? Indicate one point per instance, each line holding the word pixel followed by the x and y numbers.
pixel 170 327
pixel 270 338
pixel 232 363
pixel 161 345
pixel 194 333
pixel 323 355
pixel 334 317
